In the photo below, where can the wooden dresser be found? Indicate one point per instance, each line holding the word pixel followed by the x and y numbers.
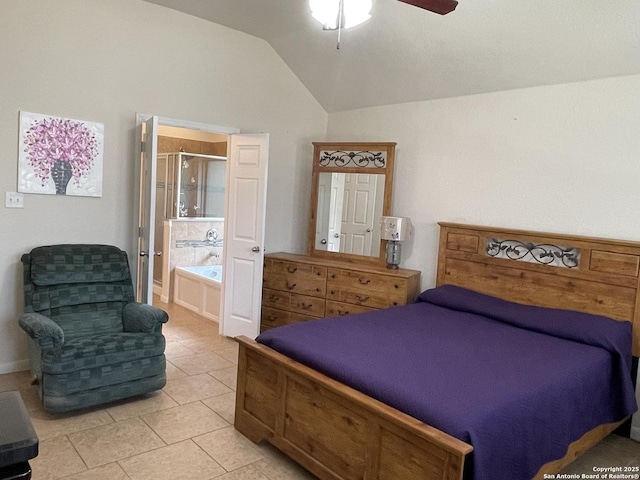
pixel 297 288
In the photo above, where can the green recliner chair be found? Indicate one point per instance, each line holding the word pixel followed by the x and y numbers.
pixel 89 342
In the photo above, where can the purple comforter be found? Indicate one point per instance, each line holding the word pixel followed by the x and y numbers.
pixel 519 383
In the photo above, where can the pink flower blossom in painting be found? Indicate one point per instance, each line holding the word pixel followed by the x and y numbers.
pixel 52 139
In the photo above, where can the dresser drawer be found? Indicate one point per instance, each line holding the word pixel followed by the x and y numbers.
pixel 293 277
pixel 273 317
pixel 275 298
pixel 398 286
pixel 354 279
pixel 338 309
pixel 305 304
pixel 359 297
pixel 367 289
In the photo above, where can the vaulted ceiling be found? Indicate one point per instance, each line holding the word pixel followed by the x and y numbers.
pixel 405 54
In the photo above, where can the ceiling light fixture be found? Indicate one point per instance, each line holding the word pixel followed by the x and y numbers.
pixel 339 14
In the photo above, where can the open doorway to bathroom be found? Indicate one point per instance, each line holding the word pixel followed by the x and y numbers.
pixel 242 239
pixel 189 218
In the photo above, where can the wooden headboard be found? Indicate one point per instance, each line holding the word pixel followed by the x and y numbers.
pixel 593 275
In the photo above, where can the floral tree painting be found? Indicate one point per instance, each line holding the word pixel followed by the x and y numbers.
pixel 60 156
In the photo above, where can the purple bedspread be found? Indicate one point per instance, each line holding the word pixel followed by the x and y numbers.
pixel 518 383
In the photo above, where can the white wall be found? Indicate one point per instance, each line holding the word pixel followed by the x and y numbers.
pixel 106 60
pixel 562 158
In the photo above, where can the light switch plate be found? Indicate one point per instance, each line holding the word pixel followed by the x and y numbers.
pixel 14 200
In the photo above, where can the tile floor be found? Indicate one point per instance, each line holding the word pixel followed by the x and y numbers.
pixel 185 431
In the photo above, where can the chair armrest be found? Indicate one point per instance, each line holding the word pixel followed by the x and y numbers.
pixel 47 332
pixel 140 317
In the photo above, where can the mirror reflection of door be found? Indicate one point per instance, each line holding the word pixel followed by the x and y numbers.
pixel 362 199
pixel 329 214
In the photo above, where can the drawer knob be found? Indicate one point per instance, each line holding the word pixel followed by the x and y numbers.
pixel 292 269
pixel 305 306
pixel 362 298
pixel 342 313
pixel 364 281
pixel 291 286
pixel 273 298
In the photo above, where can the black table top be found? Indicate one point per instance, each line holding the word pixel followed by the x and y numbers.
pixel 18 439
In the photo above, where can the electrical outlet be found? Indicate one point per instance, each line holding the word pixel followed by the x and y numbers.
pixel 14 200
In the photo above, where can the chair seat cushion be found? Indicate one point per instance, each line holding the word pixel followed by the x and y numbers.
pixel 86 352
pixel 119 376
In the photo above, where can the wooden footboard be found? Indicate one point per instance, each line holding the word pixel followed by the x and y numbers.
pixel 333 430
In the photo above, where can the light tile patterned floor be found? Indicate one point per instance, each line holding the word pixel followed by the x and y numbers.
pixel 185 431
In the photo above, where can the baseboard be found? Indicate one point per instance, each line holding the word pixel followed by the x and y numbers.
pixel 11 367
pixel 635 433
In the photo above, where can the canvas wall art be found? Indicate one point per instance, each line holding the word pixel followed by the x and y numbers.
pixel 60 156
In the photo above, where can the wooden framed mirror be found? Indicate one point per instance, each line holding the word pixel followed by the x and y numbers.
pixel 351 189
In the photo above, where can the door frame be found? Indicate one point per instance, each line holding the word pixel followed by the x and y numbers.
pixel 169 122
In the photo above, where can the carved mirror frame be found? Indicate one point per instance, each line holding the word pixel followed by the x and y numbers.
pixel 356 158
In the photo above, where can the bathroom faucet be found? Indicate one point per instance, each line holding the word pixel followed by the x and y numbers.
pixel 212 235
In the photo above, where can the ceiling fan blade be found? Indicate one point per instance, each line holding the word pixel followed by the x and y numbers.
pixel 441 7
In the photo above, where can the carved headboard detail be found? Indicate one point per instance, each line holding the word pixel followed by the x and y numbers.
pixel 593 275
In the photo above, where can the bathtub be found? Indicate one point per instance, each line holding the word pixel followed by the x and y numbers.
pixel 198 289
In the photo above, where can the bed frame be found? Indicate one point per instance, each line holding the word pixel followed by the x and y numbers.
pixel 337 432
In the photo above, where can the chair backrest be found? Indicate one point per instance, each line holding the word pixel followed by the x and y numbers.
pixel 83 288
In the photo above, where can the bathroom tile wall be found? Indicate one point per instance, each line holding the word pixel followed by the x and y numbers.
pixel 194 230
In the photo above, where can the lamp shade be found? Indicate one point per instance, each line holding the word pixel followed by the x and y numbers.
pixel 395 228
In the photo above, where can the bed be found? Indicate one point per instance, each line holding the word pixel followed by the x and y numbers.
pixel 340 432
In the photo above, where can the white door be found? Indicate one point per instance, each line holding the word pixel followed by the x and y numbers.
pixel 329 211
pixel 244 234
pixel 322 212
pixel 147 210
pixel 358 213
pixel 335 211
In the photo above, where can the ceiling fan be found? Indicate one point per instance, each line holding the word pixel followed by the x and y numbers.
pixel 343 14
pixel 441 7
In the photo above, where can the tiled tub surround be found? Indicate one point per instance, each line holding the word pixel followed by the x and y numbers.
pixel 198 289
pixel 180 238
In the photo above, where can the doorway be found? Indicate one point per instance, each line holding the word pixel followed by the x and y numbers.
pixel 242 239
pixel 189 215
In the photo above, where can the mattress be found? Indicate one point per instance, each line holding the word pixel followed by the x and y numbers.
pixel 518 383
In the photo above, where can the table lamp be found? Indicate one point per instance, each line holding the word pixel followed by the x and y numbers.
pixel 395 230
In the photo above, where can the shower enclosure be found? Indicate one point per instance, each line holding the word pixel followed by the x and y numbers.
pixel 188 186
